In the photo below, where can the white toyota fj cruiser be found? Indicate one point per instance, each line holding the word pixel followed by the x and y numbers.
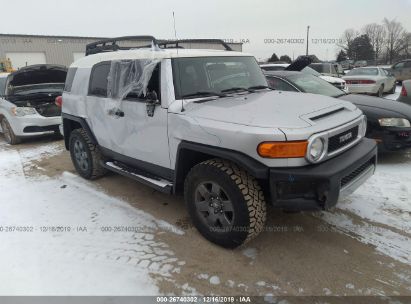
pixel 204 123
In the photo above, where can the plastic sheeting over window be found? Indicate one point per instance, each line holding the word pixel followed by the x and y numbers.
pixel 130 77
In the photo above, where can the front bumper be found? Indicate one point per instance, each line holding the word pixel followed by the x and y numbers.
pixel 319 187
pixel 392 138
pixel 33 125
pixel 362 89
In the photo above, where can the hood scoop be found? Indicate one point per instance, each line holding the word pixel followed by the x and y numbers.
pixel 324 115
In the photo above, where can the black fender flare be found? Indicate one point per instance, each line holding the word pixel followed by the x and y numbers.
pixel 189 154
pixel 68 127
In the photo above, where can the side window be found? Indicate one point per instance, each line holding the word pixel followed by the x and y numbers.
pixel 399 65
pixel 69 80
pixel 98 79
pixel 153 86
pixel 408 64
pixel 280 85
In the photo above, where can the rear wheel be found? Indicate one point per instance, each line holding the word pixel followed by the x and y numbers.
pixel 392 91
pixel 225 203
pixel 85 155
pixel 8 133
pixel 380 92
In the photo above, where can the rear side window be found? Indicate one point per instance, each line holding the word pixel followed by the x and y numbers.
pixel 69 80
pixel 408 64
pixel 280 85
pixel 98 79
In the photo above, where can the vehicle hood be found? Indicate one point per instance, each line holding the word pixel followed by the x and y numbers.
pixel 399 108
pixel 269 109
pixel 37 74
pixel 332 79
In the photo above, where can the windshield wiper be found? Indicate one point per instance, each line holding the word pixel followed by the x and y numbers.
pixel 259 87
pixel 203 94
pixel 236 89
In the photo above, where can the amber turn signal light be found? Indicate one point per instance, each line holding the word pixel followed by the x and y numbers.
pixel 290 149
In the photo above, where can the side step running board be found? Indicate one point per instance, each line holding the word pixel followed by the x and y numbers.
pixel 157 183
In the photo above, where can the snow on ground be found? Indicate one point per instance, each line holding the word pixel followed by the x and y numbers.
pixel 379 212
pixel 40 259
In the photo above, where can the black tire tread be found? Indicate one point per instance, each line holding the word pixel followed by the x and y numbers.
pixel 96 156
pixel 15 140
pixel 250 189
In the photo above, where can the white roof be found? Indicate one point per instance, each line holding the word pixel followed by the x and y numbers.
pixel 91 60
pixel 4 75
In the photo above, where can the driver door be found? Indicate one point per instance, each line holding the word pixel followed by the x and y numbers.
pixel 124 126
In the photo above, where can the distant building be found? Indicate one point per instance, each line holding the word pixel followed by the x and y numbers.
pixel 23 50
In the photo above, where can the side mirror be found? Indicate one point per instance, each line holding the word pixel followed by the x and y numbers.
pixel 152 96
pixel 152 102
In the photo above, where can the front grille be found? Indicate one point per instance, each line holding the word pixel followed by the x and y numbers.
pixel 341 140
pixel 48 110
pixel 350 177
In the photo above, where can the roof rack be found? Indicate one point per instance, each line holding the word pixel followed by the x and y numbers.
pixel 111 44
pixel 177 42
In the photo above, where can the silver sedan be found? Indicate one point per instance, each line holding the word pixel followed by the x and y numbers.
pixel 370 80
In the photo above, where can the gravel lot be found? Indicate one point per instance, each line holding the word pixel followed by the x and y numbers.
pixel 118 237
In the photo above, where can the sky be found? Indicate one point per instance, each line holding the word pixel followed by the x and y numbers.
pixel 265 26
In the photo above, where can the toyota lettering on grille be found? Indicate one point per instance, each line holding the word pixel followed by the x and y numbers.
pixel 345 137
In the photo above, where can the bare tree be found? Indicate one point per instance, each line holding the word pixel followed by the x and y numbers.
pixel 377 34
pixel 347 38
pixel 395 38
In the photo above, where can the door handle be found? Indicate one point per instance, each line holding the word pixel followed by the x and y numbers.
pixel 119 113
pixel 116 112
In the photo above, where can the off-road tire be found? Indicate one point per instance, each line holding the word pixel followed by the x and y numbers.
pixel 245 193
pixel 8 133
pixel 94 156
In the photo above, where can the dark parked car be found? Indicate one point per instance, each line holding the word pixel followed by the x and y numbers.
pixel 388 121
pixel 402 70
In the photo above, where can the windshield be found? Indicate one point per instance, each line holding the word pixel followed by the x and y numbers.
pixel 215 75
pixel 312 84
pixel 320 68
pixel 363 71
pixel 310 71
pixel 49 88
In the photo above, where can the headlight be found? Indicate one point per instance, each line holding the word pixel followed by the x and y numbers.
pixel 316 149
pixel 22 111
pixel 363 127
pixel 394 122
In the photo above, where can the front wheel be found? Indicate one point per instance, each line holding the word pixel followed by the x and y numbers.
pixel 8 133
pixel 225 202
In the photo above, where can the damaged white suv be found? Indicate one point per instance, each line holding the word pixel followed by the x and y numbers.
pixel 203 123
